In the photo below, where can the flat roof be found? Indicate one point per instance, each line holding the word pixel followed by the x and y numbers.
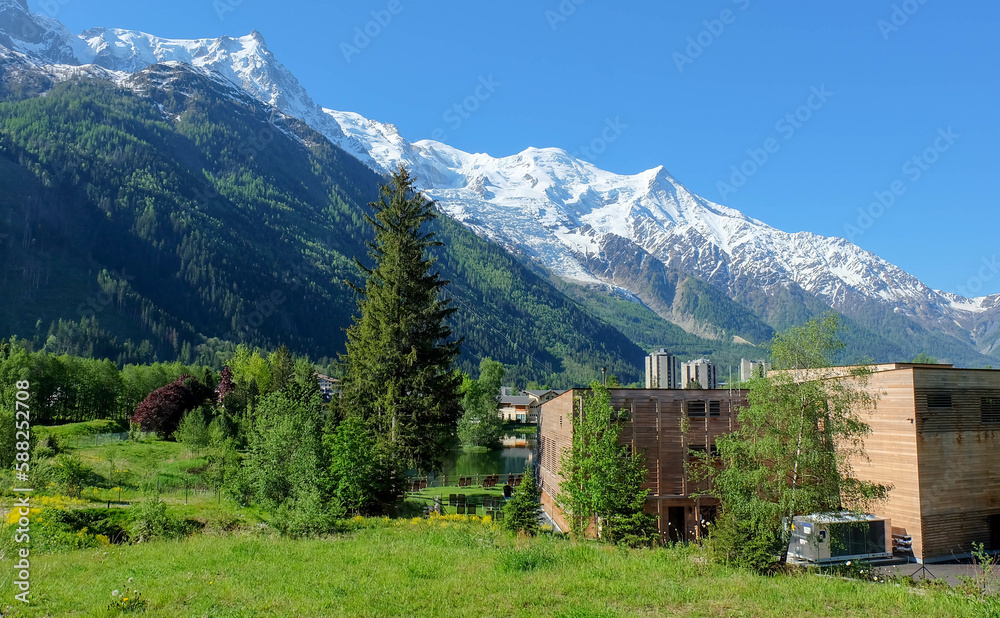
pixel 837 518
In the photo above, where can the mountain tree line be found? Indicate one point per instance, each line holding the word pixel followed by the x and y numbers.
pixel 175 234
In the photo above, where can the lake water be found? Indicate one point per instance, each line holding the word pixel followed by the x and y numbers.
pixel 517 453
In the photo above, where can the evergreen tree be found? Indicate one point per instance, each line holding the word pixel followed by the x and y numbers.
pixel 521 512
pixel 481 424
pixel 282 368
pixel 304 384
pixel 398 363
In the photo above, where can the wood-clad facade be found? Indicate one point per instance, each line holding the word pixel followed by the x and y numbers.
pixel 665 424
pixel 936 439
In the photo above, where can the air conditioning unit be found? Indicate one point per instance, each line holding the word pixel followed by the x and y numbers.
pixel 832 538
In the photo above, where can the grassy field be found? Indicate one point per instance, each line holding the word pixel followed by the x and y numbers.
pixel 441 567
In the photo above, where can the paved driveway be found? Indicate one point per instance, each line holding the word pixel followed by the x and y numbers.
pixel 949 572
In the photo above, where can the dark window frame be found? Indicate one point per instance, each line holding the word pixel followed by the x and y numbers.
pixel 939 400
pixel 989 410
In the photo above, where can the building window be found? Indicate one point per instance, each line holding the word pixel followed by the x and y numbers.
pixel 696 409
pixel 715 408
pixel 989 408
pixel 939 400
pixel 712 451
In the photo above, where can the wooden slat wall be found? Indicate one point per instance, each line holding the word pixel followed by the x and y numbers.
pixel 943 463
pixel 554 437
pixel 892 452
pixel 959 457
pixel 654 428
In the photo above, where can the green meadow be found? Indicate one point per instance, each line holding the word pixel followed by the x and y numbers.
pixel 442 566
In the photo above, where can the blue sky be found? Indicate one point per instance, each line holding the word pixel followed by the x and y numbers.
pixel 703 88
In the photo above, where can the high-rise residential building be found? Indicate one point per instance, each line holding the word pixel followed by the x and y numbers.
pixel 700 371
pixel 663 370
pixel 752 369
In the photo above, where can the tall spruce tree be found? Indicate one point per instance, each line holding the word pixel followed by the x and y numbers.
pixel 521 512
pixel 282 368
pixel 398 373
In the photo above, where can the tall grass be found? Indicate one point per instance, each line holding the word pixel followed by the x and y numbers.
pixel 445 566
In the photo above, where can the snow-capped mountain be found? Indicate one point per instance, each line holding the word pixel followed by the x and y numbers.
pixel 565 213
pixel 245 62
pixel 544 204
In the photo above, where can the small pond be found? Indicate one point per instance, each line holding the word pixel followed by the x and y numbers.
pixel 518 452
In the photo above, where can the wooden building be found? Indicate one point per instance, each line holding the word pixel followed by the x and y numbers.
pixel 936 439
pixel 665 424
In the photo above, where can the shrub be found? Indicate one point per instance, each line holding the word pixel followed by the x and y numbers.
pixel 149 520
pixel 237 482
pixel 47 446
pixel 220 430
pixel 192 431
pixel 734 540
pixel 58 530
pixel 363 476
pixel 111 524
pixel 305 516
pixel 162 410
pixel 69 474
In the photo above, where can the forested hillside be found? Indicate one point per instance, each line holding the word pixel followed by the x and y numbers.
pixel 176 218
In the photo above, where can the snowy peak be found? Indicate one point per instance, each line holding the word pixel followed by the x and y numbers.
pixel 37 36
pixel 245 62
pixel 563 212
